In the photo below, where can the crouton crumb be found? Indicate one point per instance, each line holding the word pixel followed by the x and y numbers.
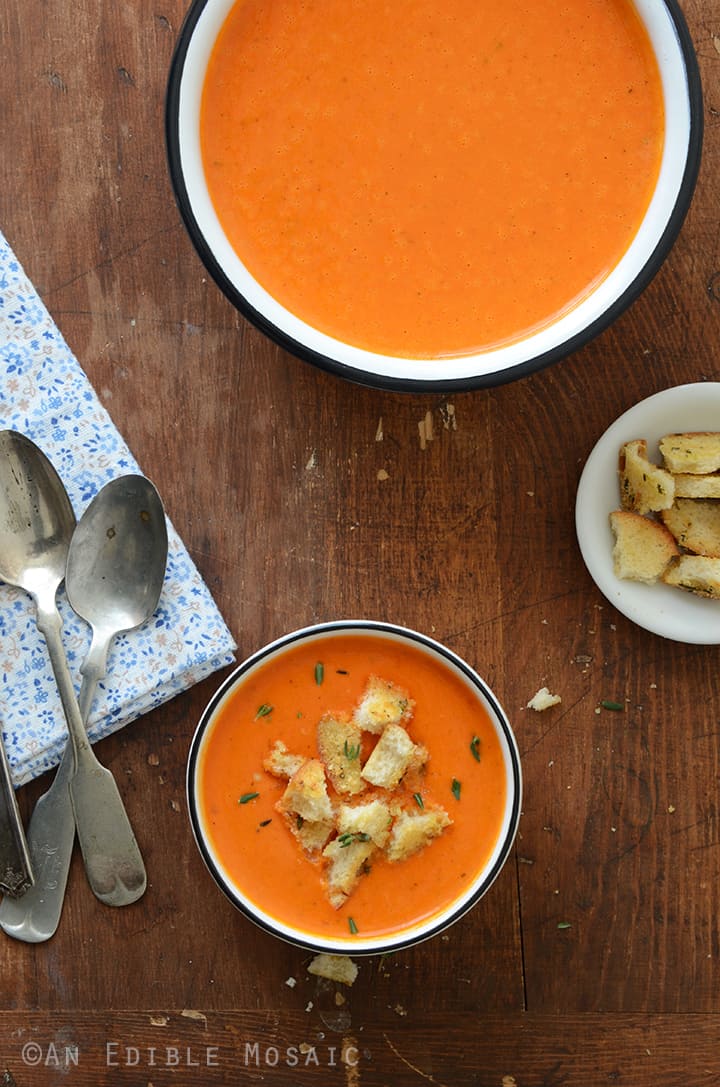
pixel 334 967
pixel 543 700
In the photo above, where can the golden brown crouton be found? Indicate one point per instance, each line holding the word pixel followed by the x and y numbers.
pixel 311 835
pixel 382 704
pixel 347 857
pixel 696 453
pixel 696 573
pixel 339 744
pixel 412 831
pixel 644 486
pixel 394 753
pixel 370 819
pixel 281 762
pixel 688 485
pixel 306 793
pixel 695 524
pixel 334 967
pixel 643 548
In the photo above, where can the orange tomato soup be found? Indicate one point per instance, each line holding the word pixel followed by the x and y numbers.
pixel 425 179
pixel 252 840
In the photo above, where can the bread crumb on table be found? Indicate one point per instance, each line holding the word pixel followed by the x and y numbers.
pixel 543 700
pixel 334 967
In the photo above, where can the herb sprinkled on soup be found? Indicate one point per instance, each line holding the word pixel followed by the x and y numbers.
pixel 344 801
pixel 423 179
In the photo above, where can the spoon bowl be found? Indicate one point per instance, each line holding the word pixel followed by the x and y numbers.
pixel 36 517
pixel 116 564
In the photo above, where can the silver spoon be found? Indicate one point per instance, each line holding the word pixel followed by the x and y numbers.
pixel 36 526
pixel 114 576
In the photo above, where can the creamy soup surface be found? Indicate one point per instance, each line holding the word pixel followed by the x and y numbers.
pixel 423 179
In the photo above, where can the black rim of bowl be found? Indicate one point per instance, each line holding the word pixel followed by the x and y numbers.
pixel 355 626
pixel 421 385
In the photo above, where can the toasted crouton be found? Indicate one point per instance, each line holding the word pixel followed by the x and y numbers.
pixel 412 831
pixel 643 548
pixel 280 762
pixel 372 819
pixel 339 744
pixel 688 485
pixel 644 487
pixel 312 835
pixel 695 524
pixel 334 967
pixel 393 755
pixel 382 704
pixel 347 859
pixel 696 453
pixel 306 793
pixel 696 573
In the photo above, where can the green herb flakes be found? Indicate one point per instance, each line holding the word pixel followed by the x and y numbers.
pixel 319 672
pixel 456 787
pixel 564 925
pixel 418 800
pixel 264 711
pixel 352 836
pixel 608 704
pixel 266 822
pixel 352 751
pixel 247 797
pixel 475 748
pixel 352 926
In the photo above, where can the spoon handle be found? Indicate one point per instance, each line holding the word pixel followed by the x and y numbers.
pixel 16 868
pixel 113 862
pixel 35 916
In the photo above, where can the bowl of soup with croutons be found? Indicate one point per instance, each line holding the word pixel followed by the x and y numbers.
pixel 423 196
pixel 354 787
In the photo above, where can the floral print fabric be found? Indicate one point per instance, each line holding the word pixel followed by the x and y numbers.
pixel 45 394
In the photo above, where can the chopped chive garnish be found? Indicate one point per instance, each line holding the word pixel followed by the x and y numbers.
pixel 342 671
pixel 475 748
pixel 352 926
pixel 608 704
pixel 456 787
pixel 266 822
pixel 246 797
pixel 264 710
pixel 564 924
pixel 352 836
pixel 352 751
pixel 319 672
pixel 418 800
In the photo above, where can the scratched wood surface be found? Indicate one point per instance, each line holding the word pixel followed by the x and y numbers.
pixel 302 498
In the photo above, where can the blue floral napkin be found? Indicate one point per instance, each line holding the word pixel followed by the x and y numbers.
pixel 45 394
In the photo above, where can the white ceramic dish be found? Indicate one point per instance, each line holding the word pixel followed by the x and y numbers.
pixel 358 944
pixel 661 609
pixel 683 107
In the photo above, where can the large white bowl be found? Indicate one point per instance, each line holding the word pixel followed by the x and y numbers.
pixel 358 944
pixel 682 95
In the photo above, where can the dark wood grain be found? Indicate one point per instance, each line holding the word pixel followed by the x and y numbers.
pixel 303 498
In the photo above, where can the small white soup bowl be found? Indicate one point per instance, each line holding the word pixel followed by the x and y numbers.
pixel 495 365
pixel 355 943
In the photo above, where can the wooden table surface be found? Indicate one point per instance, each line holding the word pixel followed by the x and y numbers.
pixel 595 958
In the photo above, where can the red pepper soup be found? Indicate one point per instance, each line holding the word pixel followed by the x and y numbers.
pixel 421 179
pixel 240 803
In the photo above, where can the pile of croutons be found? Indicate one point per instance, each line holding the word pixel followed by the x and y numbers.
pixel 344 808
pixel 668 526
